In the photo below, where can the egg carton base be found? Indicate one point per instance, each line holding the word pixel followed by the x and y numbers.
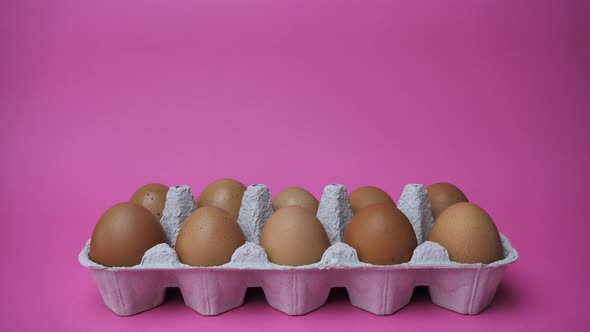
pixel 297 292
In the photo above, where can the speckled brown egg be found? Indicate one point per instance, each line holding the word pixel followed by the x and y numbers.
pixel 208 237
pixel 224 193
pixel 442 195
pixel 123 234
pixel 152 197
pixel 369 195
pixel 382 235
pixel 294 236
pixel 468 233
pixel 296 196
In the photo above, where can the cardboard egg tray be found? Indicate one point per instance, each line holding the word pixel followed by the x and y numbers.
pixel 379 289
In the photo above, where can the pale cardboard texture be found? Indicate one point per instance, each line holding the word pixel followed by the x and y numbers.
pixel 381 290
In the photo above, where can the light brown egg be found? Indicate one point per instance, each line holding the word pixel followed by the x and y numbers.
pixel 468 233
pixel 296 196
pixel 224 193
pixel 294 236
pixel 442 195
pixel 382 235
pixel 152 197
pixel 123 234
pixel 208 237
pixel 369 195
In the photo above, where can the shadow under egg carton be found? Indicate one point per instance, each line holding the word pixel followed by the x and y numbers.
pixel 379 289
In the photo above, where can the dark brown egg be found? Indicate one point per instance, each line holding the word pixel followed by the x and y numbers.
pixel 369 195
pixel 208 237
pixel 123 234
pixel 381 234
pixel 296 196
pixel 442 195
pixel 152 197
pixel 294 236
pixel 468 233
pixel 224 193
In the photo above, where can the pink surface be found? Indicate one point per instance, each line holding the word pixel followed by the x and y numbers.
pixel 100 97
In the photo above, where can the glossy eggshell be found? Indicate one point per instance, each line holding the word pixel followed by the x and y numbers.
pixel 294 236
pixel 382 235
pixel 224 193
pixel 208 237
pixel 468 233
pixel 296 196
pixel 123 234
pixel 369 195
pixel 442 195
pixel 153 197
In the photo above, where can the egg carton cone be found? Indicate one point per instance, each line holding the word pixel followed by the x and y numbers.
pixel 378 289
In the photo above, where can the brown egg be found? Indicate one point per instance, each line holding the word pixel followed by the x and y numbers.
pixel 208 237
pixel 152 197
pixel 294 236
pixel 224 193
pixel 123 234
pixel 365 196
pixel 382 235
pixel 468 233
pixel 296 196
pixel 442 195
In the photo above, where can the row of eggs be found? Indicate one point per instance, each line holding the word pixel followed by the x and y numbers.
pixel 379 232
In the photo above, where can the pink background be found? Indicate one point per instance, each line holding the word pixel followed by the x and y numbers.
pixel 100 97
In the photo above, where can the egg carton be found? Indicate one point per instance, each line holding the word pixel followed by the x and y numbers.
pixel 297 290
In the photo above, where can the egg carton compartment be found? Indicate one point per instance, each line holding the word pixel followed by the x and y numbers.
pixel 297 290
